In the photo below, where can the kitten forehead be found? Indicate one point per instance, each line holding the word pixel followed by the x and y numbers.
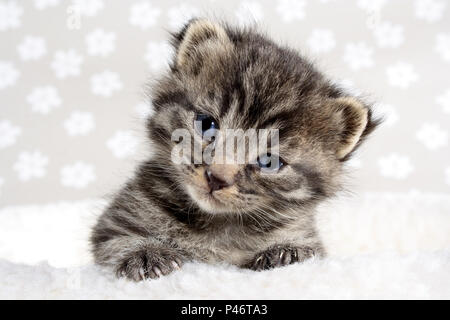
pixel 255 84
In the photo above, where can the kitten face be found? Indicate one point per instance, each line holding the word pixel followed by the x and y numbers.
pixel 222 79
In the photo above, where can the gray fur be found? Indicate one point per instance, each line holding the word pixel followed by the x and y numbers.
pixel 161 219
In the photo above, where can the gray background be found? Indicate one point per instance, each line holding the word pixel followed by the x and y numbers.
pixel 394 53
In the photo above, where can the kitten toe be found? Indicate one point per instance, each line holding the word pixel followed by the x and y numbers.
pixel 279 256
pixel 149 265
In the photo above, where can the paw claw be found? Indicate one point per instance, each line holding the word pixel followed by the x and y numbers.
pixel 149 264
pixel 157 271
pixel 279 256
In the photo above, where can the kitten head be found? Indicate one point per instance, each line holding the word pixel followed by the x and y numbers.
pixel 224 78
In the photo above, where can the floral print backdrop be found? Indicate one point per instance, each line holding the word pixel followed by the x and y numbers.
pixel 72 75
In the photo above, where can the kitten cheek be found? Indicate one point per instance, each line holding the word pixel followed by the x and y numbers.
pixel 298 194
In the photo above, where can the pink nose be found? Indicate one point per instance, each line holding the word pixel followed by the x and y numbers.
pixel 214 182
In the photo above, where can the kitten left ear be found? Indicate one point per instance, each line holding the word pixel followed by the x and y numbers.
pixel 352 118
pixel 198 38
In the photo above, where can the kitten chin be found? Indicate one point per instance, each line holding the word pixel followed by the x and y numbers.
pixel 223 77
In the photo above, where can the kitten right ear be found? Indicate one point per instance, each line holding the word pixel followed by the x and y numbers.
pixel 352 121
pixel 197 39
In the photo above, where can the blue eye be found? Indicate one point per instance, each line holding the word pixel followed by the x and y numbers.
pixel 270 162
pixel 205 123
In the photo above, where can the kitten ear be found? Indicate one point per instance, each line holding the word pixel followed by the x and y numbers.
pixel 353 120
pixel 197 38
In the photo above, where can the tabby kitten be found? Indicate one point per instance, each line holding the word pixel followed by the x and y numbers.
pixel 223 77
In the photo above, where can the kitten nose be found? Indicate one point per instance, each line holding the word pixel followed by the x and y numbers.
pixel 214 182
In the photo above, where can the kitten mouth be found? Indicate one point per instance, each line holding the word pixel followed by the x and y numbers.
pixel 207 200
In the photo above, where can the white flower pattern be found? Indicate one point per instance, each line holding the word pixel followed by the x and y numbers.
pixel 43 4
pixel 8 74
pixel 158 55
pixel 321 41
pixel 100 43
pixel 88 8
pixel 429 10
pixel 432 136
pixel 10 15
pixel 389 35
pixel 291 10
pixel 31 165
pixel 32 48
pixel 371 5
pixel 44 99
pixel 358 56
pixel 64 88
pixel 180 14
pixel 77 175
pixel 105 83
pixel 395 166
pixel 123 144
pixel 8 134
pixel 67 64
pixel 144 15
pixel 79 123
pixel 401 75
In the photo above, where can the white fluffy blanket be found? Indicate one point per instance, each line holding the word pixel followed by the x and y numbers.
pixel 380 246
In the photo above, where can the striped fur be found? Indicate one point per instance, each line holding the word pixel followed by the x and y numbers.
pixel 164 216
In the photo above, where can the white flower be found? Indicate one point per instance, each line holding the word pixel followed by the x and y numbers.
pixel 100 43
pixel 8 134
pixel 321 41
pixel 122 144
pixel 388 34
pixel 44 99
pixel 144 110
pixel 10 13
pixel 8 74
pixel 354 162
pixel 181 14
pixel 88 8
pixel 105 83
pixel 429 10
pixel 447 175
pixel 77 175
pixel 158 55
pixel 401 75
pixel 348 86
pixel 32 48
pixel 371 5
pixel 249 12
pixel 432 136
pixel 79 123
pixel 444 101
pixel 387 112
pixel 42 4
pixel 395 166
pixel 31 165
pixel 144 15
pixel 291 10
pixel 443 46
pixel 358 55
pixel 66 63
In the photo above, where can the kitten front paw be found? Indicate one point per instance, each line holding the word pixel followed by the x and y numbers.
pixel 145 264
pixel 278 256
